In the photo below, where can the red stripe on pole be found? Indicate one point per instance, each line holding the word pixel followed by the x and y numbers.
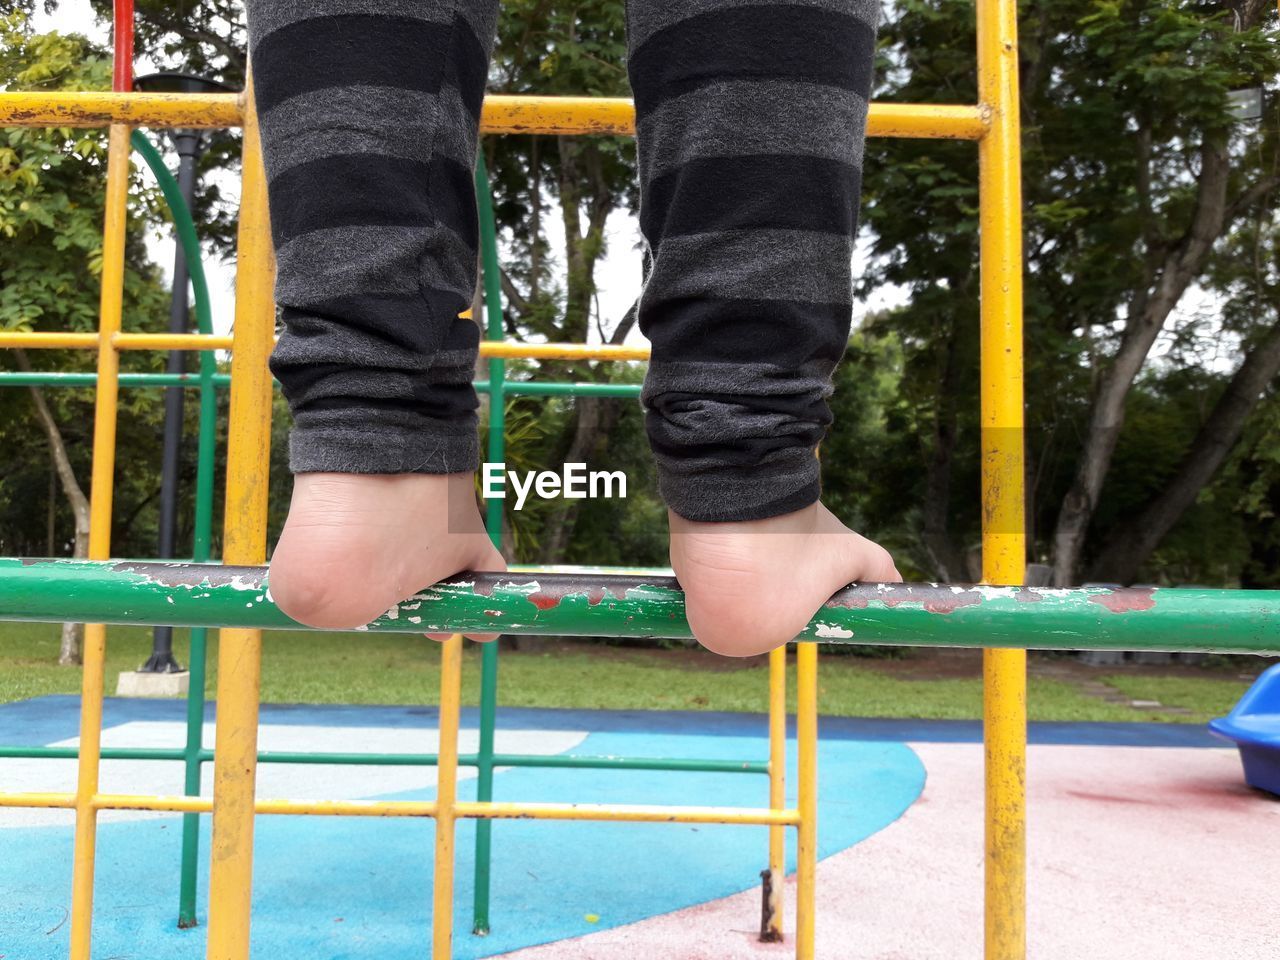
pixel 122 72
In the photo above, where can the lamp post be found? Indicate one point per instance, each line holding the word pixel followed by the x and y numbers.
pixel 190 145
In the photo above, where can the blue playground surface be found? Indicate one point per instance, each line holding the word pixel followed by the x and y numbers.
pixel 337 887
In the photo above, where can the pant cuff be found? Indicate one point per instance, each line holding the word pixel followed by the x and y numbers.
pixel 438 447
pixel 736 494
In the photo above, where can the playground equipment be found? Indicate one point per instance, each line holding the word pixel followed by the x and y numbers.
pixel 235 598
pixel 1253 725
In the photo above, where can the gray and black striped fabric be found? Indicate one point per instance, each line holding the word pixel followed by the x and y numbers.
pixel 751 118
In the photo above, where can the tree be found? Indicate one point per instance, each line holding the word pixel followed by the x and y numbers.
pixel 1171 69
pixel 1248 276
pixel 1135 173
pixel 51 211
pixel 552 48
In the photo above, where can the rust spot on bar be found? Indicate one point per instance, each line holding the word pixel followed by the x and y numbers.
pixel 1127 600
pixel 482 588
pixel 933 598
pixel 767 933
pixel 849 599
pixel 544 602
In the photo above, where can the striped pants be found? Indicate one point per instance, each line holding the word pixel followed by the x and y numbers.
pixel 750 125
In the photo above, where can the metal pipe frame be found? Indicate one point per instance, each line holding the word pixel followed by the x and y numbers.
pixel 232 935
pixel 994 617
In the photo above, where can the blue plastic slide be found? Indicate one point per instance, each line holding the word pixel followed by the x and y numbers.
pixel 1254 727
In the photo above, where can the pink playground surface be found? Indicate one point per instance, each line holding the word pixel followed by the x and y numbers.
pixel 1134 853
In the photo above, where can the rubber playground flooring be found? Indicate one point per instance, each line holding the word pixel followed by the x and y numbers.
pixel 1143 841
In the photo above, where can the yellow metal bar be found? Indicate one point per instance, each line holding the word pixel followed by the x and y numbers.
pixel 446 798
pixel 807 791
pixel 103 478
pixel 318 808
pixel 203 341
pixel 40 340
pixel 47 800
pixel 244 542
pixel 926 121
pixel 172 341
pixel 777 788
pixel 1004 526
pixel 561 351
pixel 83 109
pixel 625 813
pixel 579 115
pixel 779 817
pixel 564 115
pixel 501 114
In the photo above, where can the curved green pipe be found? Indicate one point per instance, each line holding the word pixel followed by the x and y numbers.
pixel 202 533
pixel 183 223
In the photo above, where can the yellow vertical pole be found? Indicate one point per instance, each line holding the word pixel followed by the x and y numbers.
pixel 446 797
pixel 1004 527
pixel 807 791
pixel 777 788
pixel 110 309
pixel 244 542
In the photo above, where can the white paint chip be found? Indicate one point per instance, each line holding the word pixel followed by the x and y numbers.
pixel 829 631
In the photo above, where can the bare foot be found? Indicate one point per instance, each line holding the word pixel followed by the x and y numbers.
pixel 356 544
pixel 752 586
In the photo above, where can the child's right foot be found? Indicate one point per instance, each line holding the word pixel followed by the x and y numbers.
pixel 355 545
pixel 752 586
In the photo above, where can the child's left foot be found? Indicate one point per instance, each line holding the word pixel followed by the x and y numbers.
pixel 752 586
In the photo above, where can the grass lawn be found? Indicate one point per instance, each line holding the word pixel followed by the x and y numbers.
pixel 1204 696
pixel 401 669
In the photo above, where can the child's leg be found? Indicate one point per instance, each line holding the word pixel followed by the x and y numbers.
pixel 369 113
pixel 751 119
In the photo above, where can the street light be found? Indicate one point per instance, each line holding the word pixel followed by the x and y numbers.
pixel 190 145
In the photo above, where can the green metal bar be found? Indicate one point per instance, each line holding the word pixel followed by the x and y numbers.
pixel 108 753
pixel 19 378
pixel 493 524
pixel 574 761
pixel 198 655
pixel 185 228
pixel 1086 618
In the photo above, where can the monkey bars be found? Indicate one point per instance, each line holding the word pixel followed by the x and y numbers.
pixel 992 122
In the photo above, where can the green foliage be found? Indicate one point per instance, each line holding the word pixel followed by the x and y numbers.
pixel 51 215
pixel 550 49
pixel 1118 98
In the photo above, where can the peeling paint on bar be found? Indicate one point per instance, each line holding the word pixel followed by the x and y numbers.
pixel 646 605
